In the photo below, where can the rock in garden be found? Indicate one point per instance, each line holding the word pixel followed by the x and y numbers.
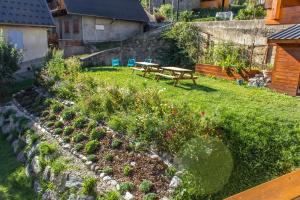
pixel 155 157
pixel 50 195
pixel 112 182
pixel 102 175
pixel 37 186
pixel 73 182
pixel 88 163
pixel 47 173
pixel 175 182
pixel 28 170
pixel 36 167
pixel 106 178
pixel 128 196
pixel 21 157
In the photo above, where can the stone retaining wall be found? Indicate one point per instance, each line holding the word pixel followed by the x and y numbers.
pixel 151 44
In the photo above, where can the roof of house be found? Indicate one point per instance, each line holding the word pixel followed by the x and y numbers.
pixel 25 12
pixel 129 10
pixel 291 33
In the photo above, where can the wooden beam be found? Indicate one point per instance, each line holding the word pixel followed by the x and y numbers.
pixel 285 41
pixel 286 187
pixel 276 7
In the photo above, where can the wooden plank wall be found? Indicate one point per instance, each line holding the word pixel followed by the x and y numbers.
pixel 286 187
pixel 286 73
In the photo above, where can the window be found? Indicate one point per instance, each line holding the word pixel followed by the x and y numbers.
pixel 100 27
pixel 67 27
pixel 16 38
pixel 75 26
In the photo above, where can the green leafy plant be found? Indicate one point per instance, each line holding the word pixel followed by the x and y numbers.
pixel 97 134
pixel 79 137
pixel 186 16
pixel 150 196
pixel 80 122
pixel 116 143
pixel 92 146
pixel 92 158
pixel 56 107
pixel 68 130
pixel 58 131
pixel 127 170
pixel 50 124
pixel 110 195
pixel 78 147
pixel 59 165
pixel 166 10
pixel 10 59
pixel 68 114
pixel 145 186
pixel 89 186
pixel 127 186
pixel 107 170
pixel 52 117
pixel 170 171
pixel 109 157
pixel 47 148
pixel 59 124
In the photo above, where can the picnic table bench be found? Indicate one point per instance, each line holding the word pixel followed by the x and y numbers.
pixel 146 67
pixel 177 74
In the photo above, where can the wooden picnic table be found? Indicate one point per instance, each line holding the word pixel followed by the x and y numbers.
pixel 177 74
pixel 146 67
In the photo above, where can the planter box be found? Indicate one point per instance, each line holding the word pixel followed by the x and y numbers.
pixel 229 74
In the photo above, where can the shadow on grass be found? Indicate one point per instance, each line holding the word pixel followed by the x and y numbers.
pixel 14 184
pixel 192 86
pixel 101 69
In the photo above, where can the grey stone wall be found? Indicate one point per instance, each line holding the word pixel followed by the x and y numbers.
pixel 151 44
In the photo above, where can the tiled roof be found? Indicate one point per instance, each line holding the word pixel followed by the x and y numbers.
pixel 130 10
pixel 25 12
pixel 291 33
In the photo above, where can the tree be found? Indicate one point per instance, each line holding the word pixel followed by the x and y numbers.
pixel 10 58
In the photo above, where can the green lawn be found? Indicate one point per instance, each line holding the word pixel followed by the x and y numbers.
pixel 209 95
pixel 14 185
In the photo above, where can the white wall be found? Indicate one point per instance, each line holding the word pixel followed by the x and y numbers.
pixel 35 41
pixel 114 30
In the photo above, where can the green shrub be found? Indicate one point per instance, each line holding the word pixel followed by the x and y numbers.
pixel 127 186
pixel 78 147
pixel 92 158
pixel 68 114
pixel 92 146
pixel 166 10
pixel 68 130
pixel 58 131
pixel 109 157
pixel 80 122
pixel 89 186
pixel 145 186
pixel 186 16
pixel 251 12
pixel 45 114
pixel 34 138
pixel 56 107
pixel 97 134
pixel 110 195
pixel 50 124
pixel 58 166
pixel 79 137
pixel 170 171
pixel 10 59
pixel 127 170
pixel 47 149
pixel 91 125
pixel 150 196
pixel 66 139
pixel 116 143
pixel 59 124
pixel 107 170
pixel 118 123
pixel 52 117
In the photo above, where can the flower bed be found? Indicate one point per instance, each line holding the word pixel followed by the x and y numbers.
pixel 228 73
pixel 111 153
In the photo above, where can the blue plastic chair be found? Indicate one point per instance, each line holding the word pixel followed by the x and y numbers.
pixel 115 62
pixel 149 60
pixel 131 62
